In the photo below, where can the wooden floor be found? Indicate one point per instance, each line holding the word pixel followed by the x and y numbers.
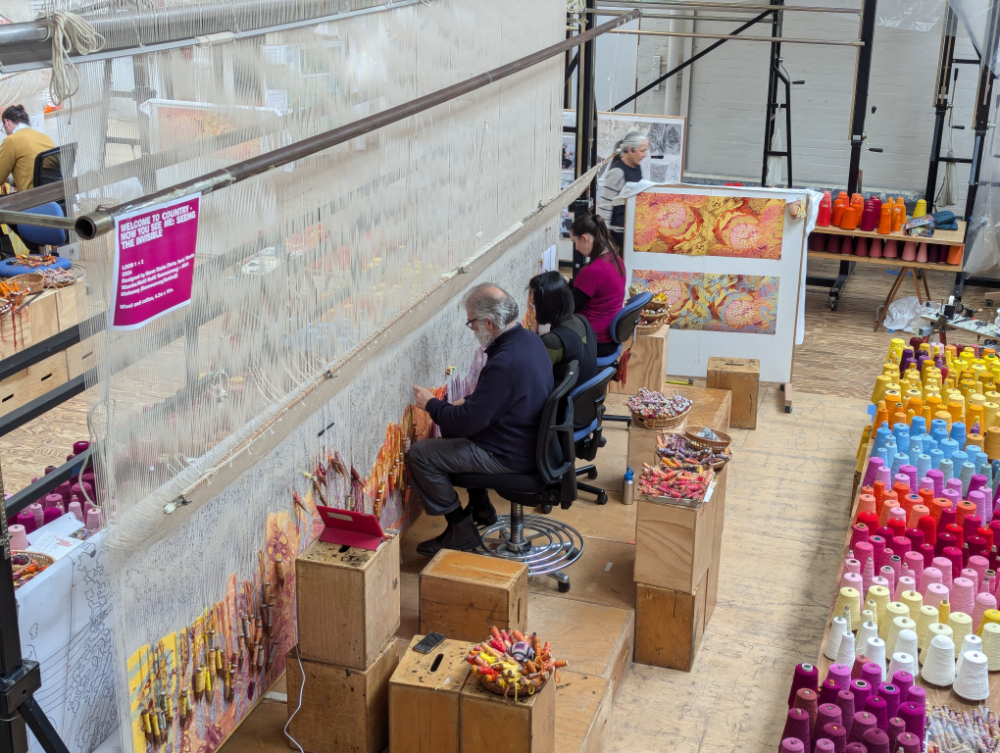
pixel 787 505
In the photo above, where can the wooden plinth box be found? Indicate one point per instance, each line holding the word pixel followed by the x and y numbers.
pixel 463 595
pixel 348 602
pixel 741 376
pixel 343 710
pixel 674 545
pixel 647 366
pixel 424 698
pixel 494 724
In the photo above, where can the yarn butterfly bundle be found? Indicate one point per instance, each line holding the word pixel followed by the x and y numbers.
pixel 512 664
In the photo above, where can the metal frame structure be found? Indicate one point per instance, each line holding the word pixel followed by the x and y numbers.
pixel 19 678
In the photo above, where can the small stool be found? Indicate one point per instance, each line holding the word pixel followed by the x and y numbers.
pixel 491 722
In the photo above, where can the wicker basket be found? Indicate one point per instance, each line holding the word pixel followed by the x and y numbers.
pixel 523 691
pixel 691 434
pixel 33 282
pixel 661 423
pixel 655 306
pixel 21 558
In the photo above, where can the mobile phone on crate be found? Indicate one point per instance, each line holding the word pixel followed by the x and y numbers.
pixel 428 643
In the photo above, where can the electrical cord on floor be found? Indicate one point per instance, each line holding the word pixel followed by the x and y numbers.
pixel 302 687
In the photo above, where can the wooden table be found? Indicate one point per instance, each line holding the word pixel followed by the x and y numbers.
pixel 940 237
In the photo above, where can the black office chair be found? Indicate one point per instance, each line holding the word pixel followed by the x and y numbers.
pixel 546 546
pixel 588 409
pixel 52 164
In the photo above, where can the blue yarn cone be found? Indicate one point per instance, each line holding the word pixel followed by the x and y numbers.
pixel 936 457
pixel 960 458
pixel 948 469
pixel 923 465
pixel 938 423
pixel 918 427
pixel 883 453
pixel 881 434
pixel 958 433
pixel 949 446
pixel 940 433
pixel 898 460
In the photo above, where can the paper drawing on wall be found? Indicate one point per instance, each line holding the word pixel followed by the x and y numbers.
pixel 714 302
pixel 696 225
pixel 665 161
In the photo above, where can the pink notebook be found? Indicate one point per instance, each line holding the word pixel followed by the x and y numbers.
pixel 350 528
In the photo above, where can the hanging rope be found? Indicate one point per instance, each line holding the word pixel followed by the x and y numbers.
pixel 70 32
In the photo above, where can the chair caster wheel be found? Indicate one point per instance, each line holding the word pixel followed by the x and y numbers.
pixel 545 509
pixel 602 498
pixel 563 587
pixel 592 474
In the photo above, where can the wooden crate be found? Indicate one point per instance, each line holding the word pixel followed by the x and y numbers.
pixel 494 724
pixel 741 376
pixel 343 710
pixel 674 544
pixel 348 602
pixel 463 595
pixel 424 698
pixel 647 366
pixel 20 389
pixel 583 712
pixel 669 625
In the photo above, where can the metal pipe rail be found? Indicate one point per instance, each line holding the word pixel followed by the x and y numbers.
pixel 732 7
pixel 93 224
pixel 770 40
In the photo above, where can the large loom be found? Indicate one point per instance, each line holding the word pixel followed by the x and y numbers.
pixel 323 291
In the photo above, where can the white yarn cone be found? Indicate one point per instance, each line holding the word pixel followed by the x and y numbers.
pixel 991 645
pixel 973 680
pixel 939 666
pixel 868 614
pixel 906 643
pixel 933 630
pixel 971 642
pixel 961 625
pixel 898 624
pixel 902 662
pixel 868 630
pixel 845 652
pixel 893 610
pixel 875 651
pixel 833 640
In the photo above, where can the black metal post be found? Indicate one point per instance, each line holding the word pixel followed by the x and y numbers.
pixel 772 105
pixel 586 125
pixel 945 58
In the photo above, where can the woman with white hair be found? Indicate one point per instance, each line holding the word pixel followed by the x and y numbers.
pixel 624 168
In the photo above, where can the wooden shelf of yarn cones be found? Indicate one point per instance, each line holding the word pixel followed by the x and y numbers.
pixel 897 262
pixel 942 237
pixel 935 696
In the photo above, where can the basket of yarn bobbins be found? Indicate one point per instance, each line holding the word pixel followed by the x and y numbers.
pixel 512 664
pixel 654 410
pixel 680 451
pixel 706 436
pixel 27 565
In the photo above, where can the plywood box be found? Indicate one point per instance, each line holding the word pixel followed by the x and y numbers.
pixel 583 712
pixel 463 595
pixel 424 698
pixel 343 710
pixel 348 602
pixel 24 386
pixel 647 366
pixel 669 625
pixel 741 376
pixel 494 724
pixel 674 544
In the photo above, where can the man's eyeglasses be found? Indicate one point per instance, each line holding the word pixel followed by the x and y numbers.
pixel 470 322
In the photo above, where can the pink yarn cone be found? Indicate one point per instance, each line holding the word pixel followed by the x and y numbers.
pixel 931 575
pixel 866 503
pixel 983 602
pixel 904 584
pixel 943 564
pixel 963 596
pixel 868 574
pixel 980 565
pixel 18 537
pixel 915 561
pixel 972 576
pixel 909 251
pixel 891 250
pixel 922 253
pixel 862 249
pixel 875 251
pixel 936 593
pixel 851 579
pixel 853 565
pixel 846 247
pixel 833 244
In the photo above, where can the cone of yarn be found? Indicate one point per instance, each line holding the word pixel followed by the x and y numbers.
pixel 807 700
pixel 837 734
pixel 852 580
pixel 868 614
pixel 980 565
pixel 972 681
pixel 902 662
pixel 991 645
pixel 917 695
pixel 876 707
pixel 824 745
pixel 833 639
pixel 971 642
pixel 860 747
pixel 850 598
pixel 945 567
pixel 915 561
pixel 828 690
pixel 805 676
pixel 892 697
pixel 797 727
pixel 944 611
pixel 904 584
pixel 913 717
pixel 861 690
pixel 963 596
pixel 934 630
pixel 961 625
pixel 841 675
pixel 845 652
pixel 989 616
pixel 908 743
pixel 792 745
pixel 939 665
pixel 904 681
pixel 984 601
pixel 827 713
pixel 881 596
pixel 926 616
pixel 899 624
pixel 913 601
pixel 845 700
pixel 870 672
pixel 930 576
pixel 875 651
pixel 863 721
pixel 936 593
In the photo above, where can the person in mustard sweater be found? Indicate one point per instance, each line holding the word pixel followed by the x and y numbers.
pixel 19 149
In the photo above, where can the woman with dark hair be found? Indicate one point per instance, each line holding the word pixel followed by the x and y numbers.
pixel 570 337
pixel 19 149
pixel 599 288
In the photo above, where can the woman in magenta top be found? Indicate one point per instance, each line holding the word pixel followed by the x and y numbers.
pixel 599 288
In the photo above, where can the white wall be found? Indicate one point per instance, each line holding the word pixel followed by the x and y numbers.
pixel 724 93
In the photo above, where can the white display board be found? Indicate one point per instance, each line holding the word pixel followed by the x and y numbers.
pixel 741 303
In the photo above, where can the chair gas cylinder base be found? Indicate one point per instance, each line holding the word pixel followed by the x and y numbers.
pixel 545 545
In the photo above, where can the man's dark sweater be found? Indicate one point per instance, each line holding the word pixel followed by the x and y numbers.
pixel 503 412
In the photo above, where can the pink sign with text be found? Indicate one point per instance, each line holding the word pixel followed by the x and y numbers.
pixel 154 262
